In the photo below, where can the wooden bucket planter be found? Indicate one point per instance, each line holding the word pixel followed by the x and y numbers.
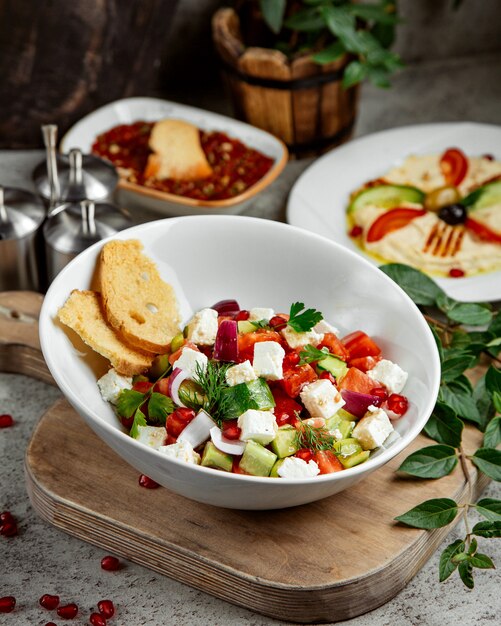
pixel 299 101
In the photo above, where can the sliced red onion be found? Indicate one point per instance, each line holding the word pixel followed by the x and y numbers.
pixel 226 307
pixel 177 377
pixel 228 446
pixel 358 403
pixel 226 345
pixel 198 430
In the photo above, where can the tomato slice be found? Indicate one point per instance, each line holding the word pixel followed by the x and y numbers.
pixel 334 345
pixel 454 166
pixel 178 420
pixel 481 231
pixel 162 386
pixel 364 363
pixel 392 220
pixel 327 462
pixel 356 380
pixel 246 342
pixel 359 344
pixel 142 386
pixel 175 355
pixel 296 378
pixel 285 407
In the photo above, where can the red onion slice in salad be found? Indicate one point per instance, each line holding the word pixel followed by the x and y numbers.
pixel 357 403
pixel 198 430
pixel 177 377
pixel 226 307
pixel 226 345
pixel 228 446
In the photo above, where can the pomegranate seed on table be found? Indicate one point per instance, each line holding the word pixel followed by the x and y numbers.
pixel 6 421
pixel 110 563
pixel 68 611
pixel 50 624
pixel 97 620
pixel 9 529
pixel 49 602
pixel 106 608
pixel 6 516
pixel 398 404
pixel 147 482
pixel 7 604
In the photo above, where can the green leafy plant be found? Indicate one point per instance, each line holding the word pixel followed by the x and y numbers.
pixel 303 320
pixel 331 28
pixel 460 348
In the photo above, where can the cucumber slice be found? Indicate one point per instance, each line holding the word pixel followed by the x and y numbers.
pixel 483 196
pixel 244 326
pixel 285 442
pixel 354 459
pixel 332 364
pixel 386 197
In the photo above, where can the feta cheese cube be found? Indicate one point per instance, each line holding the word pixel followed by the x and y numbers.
pixel 268 360
pixel 257 314
pixel 260 426
pixel 298 340
pixel 188 362
pixel 202 328
pixel 292 467
pixel 321 398
pixel 181 450
pixel 323 327
pixel 111 384
pixel 389 374
pixel 153 436
pixel 240 373
pixel 373 429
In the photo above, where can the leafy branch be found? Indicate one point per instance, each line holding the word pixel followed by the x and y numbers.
pixel 459 348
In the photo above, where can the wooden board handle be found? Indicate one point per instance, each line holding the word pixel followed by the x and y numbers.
pixel 20 351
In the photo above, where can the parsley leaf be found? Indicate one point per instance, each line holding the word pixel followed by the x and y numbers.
pixel 159 407
pixel 129 402
pixel 139 420
pixel 309 354
pixel 260 323
pixel 303 321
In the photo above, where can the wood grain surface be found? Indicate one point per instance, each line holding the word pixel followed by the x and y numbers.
pixel 326 561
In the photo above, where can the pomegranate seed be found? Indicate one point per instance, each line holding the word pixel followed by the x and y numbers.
pixel 398 404
pixel 241 316
pixel 147 482
pixel 6 420
pixel 68 611
pixel 356 231
pixel 106 608
pixel 6 516
pixel 7 604
pixel 49 602
pixel 328 376
pixel 380 392
pixel 97 620
pixel 9 529
pixel 456 272
pixel 277 322
pixel 110 563
pixel 50 624
pixel 305 454
pixel 232 432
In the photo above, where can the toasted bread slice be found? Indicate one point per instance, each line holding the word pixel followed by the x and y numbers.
pixel 83 313
pixel 138 304
pixel 177 152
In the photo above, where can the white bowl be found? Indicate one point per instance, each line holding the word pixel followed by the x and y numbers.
pixel 83 134
pixel 260 263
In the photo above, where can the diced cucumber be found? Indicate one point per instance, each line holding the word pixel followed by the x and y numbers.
pixel 343 414
pixel 286 442
pixel 332 364
pixel 354 459
pixel 261 394
pixel 386 197
pixel 252 395
pixel 244 326
pixel 275 468
pixel 347 447
pixel 212 457
pixel 176 342
pixel 257 460
pixel 344 426
pixel 483 197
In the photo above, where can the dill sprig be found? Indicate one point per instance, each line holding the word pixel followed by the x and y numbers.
pixel 212 382
pixel 315 438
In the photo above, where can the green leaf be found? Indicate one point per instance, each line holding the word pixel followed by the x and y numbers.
pixel 309 20
pixel 482 561
pixel 434 513
pixel 419 287
pixel 303 321
pixel 473 547
pixel 454 366
pixel 330 53
pixel 273 13
pixel 159 407
pixel 373 13
pixel 354 73
pixel 379 76
pixel 342 24
pixel 438 341
pixel 488 530
pixel 496 401
pixel 447 565
pixel 459 558
pixel 493 380
pixel 488 461
pixel 430 462
pixel 139 420
pixel 444 427
pixel 492 436
pixel 309 354
pixel 495 325
pixel 129 402
pixel 470 313
pixel 484 404
pixel 460 401
pixel 261 323
pixel 490 508
pixel 465 572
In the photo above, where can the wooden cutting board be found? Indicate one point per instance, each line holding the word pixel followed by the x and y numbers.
pixel 327 561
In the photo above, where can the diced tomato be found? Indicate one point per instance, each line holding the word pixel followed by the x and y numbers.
pixel 327 462
pixel 236 469
pixel 178 420
pixel 231 429
pixel 295 378
pixel 162 386
pixel 334 345
pixel 305 453
pixel 142 386
pixel 175 355
pixel 291 359
pixel 392 220
pixel 285 407
pixel 170 440
pixel 246 342
pixel 364 363
pixel 356 380
pixel 454 166
pixel 481 231
pixel 127 421
pixel 327 376
pixel 359 344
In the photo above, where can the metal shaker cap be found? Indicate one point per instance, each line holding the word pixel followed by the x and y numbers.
pixel 21 213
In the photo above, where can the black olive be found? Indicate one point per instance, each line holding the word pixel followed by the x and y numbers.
pixel 453 214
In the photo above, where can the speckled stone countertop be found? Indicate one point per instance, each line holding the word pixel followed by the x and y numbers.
pixel 42 559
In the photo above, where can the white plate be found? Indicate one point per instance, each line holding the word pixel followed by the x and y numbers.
pixel 83 134
pixel 319 198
